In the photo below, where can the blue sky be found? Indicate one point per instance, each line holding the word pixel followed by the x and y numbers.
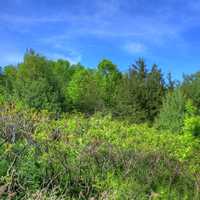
pixel 164 32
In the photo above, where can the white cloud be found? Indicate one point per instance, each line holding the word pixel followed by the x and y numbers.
pixel 116 19
pixel 134 47
pixel 73 58
pixel 108 20
pixel 21 19
pixel 62 47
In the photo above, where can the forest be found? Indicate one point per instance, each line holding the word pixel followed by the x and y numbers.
pixel 68 131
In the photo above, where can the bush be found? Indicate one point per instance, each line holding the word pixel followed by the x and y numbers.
pixel 171 116
pixel 75 157
pixel 192 120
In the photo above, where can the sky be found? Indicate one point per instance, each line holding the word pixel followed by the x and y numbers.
pixel 165 32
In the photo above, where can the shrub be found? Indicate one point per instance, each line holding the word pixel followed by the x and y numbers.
pixel 171 116
pixel 192 120
pixel 76 157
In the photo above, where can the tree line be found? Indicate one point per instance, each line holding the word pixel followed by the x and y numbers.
pixel 137 95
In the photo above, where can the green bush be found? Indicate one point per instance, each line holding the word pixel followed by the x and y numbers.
pixel 192 125
pixel 171 116
pixel 76 157
pixel 192 120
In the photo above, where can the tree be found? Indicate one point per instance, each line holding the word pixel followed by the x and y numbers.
pixel 155 91
pixel 36 85
pixel 146 90
pixel 108 77
pixel 84 92
pixel 62 74
pixel 171 116
pixel 139 68
pixel 125 107
pixel 171 84
pixel 59 86
pixel 10 73
pixel 191 88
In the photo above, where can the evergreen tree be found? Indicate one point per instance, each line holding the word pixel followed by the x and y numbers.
pixel 191 88
pixel 146 91
pixel 171 116
pixel 155 91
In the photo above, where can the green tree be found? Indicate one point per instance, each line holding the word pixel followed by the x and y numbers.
pixel 8 82
pixel 171 84
pixel 191 88
pixel 36 85
pixel 171 116
pixel 108 77
pixel 84 92
pixel 62 73
pixel 125 107
pixel 145 90
pixel 155 90
pixel 191 119
pixel 9 73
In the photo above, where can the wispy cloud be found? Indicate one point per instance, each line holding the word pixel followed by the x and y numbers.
pixel 134 47
pixel 109 19
pixel 29 20
pixel 61 47
pixel 118 20
pixel 73 58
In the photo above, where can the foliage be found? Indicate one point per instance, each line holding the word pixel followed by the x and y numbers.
pixel 108 77
pixel 192 120
pixel 171 116
pixel 75 157
pixel 83 91
pixel 191 88
pixel 70 132
pixel 58 86
pixel 140 93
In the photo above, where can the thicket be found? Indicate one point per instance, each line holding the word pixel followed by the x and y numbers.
pixel 96 157
pixel 71 132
